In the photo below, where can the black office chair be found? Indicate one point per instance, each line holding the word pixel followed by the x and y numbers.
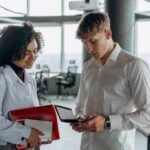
pixel 67 81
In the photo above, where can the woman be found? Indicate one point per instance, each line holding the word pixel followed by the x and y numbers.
pixel 19 46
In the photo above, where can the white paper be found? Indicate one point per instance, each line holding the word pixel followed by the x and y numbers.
pixel 44 126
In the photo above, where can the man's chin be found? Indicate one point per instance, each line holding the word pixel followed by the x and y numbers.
pixel 96 57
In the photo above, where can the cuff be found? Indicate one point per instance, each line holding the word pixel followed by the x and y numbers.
pixel 116 122
pixel 26 132
pixel 80 115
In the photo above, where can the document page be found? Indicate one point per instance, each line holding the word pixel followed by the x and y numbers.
pixel 44 126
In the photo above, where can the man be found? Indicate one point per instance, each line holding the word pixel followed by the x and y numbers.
pixel 114 92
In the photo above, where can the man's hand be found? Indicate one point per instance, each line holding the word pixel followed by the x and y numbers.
pixel 94 123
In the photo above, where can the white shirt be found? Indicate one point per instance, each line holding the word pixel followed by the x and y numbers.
pixel 119 89
pixel 14 94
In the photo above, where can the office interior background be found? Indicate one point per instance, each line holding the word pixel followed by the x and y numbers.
pixel 130 22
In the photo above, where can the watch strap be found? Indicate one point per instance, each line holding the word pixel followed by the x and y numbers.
pixel 107 124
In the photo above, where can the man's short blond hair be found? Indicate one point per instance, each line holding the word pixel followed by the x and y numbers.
pixel 92 23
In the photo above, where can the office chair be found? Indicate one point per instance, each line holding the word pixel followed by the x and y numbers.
pixel 42 81
pixel 67 81
pixel 45 77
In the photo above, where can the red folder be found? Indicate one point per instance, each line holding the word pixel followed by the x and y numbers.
pixel 45 113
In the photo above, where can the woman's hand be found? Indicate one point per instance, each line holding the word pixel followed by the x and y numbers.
pixel 47 142
pixel 34 138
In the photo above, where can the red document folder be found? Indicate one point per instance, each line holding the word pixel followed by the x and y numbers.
pixel 45 113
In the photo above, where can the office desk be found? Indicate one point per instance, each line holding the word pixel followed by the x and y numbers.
pixel 50 75
pixel 48 80
pixel 53 74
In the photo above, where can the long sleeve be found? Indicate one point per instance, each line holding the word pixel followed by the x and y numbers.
pixel 138 75
pixel 10 131
pixel 81 98
pixel 13 132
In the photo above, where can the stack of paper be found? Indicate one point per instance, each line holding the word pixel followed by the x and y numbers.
pixel 44 126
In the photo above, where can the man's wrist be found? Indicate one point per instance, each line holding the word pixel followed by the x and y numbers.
pixel 107 124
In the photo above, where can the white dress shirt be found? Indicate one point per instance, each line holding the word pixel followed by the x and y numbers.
pixel 15 94
pixel 119 89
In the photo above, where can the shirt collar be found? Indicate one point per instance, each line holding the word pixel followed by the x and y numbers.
pixel 12 76
pixel 114 55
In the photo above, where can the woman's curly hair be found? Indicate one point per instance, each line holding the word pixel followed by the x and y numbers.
pixel 14 41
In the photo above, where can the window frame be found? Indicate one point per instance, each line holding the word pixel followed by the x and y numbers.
pixel 44 21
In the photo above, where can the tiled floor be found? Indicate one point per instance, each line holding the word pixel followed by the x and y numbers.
pixel 69 139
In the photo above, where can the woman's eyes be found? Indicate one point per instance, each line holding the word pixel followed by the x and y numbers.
pixel 29 52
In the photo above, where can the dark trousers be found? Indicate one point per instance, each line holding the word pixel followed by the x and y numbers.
pixel 10 146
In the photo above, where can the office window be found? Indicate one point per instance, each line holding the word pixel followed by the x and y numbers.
pixel 143 32
pixel 58 51
pixel 52 49
pixel 13 5
pixel 45 7
pixel 143 5
pixel 72 47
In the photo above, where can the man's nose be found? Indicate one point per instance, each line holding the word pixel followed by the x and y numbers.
pixel 89 47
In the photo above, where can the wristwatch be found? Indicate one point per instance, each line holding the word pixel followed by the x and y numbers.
pixel 107 124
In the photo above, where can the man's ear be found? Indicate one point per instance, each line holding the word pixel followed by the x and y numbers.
pixel 108 33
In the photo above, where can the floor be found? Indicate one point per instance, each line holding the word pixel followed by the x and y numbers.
pixel 69 139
